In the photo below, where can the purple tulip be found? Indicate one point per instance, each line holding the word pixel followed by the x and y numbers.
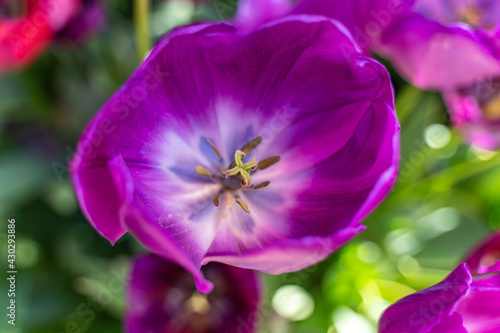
pixel 163 298
pixel 485 257
pixel 475 112
pixel 261 150
pixel 461 303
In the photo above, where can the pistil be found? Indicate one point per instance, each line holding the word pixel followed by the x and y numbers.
pixel 241 169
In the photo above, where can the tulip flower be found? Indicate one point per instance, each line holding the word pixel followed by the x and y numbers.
pixel 475 112
pixel 262 150
pixel 163 298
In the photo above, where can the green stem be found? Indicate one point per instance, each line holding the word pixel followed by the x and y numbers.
pixel 141 20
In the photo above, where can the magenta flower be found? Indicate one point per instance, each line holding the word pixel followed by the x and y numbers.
pixel 28 27
pixel 461 303
pixel 485 257
pixel 163 298
pixel 475 112
pixel 261 150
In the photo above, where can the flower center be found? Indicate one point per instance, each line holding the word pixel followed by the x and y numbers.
pixel 472 15
pixel 241 169
pixel 198 303
pixel 491 109
pixel 476 13
pixel 237 176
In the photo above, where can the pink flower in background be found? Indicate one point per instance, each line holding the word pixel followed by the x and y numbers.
pixel 475 112
pixel 461 303
pixel 163 298
pixel 263 150
pixel 28 27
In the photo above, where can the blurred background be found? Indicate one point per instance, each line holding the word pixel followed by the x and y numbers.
pixel 72 280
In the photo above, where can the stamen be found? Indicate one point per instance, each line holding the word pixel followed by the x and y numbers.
pixel 216 200
pixel 202 171
pixel 472 15
pixel 251 145
pixel 264 164
pixel 492 109
pixel 243 205
pixel 261 185
pixel 214 148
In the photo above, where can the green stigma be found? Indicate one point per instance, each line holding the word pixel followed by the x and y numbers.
pixel 242 169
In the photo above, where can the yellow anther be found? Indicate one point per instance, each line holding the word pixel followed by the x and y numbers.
pixel 261 185
pixel 216 200
pixel 264 164
pixel 202 171
pixel 251 145
pixel 243 205
pixel 214 149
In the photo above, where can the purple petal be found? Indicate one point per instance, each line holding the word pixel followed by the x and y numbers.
pixel 95 184
pixel 480 308
pixel 433 56
pixel 424 310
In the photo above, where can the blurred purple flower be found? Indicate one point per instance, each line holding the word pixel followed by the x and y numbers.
pixel 87 21
pixel 475 112
pixel 314 118
pixel 461 303
pixel 435 44
pixel 485 257
pixel 253 13
pixel 163 298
